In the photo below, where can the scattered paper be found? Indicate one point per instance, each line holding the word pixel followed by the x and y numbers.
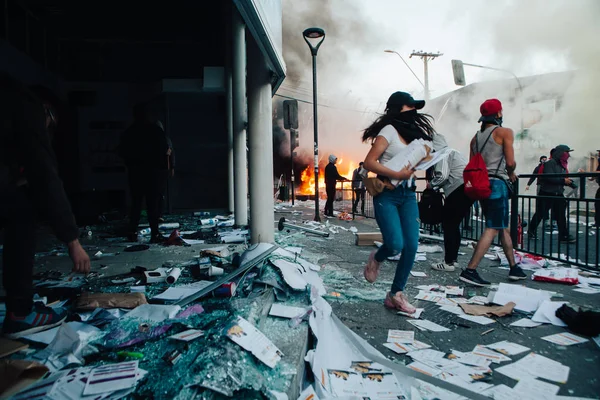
pixel 500 392
pixel 499 311
pixel 187 336
pixel 396 336
pixel 415 315
pixel 418 274
pixel 546 313
pixel 403 348
pixel 424 324
pixel 525 323
pixel 587 290
pixel 537 366
pixel 174 294
pixel 250 338
pixel 453 309
pixel 112 377
pixel 454 291
pixel 424 368
pixel 469 359
pixel 491 355
pixel 534 389
pixel 565 339
pixel 345 383
pixel 478 319
pixel 526 299
pixel 508 348
pixel 283 311
pixel 153 312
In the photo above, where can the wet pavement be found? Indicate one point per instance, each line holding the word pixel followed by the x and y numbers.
pixel 360 306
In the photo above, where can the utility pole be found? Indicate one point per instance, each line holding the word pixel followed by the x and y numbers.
pixel 426 57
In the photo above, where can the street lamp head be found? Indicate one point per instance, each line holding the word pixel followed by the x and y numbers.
pixel 316 35
pixel 389 51
pixel 313 33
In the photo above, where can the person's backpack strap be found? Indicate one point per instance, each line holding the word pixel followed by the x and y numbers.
pixel 484 143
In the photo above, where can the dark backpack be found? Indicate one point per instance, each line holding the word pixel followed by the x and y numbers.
pixel 475 175
pixel 431 207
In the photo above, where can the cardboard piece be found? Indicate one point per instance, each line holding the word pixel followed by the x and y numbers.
pixel 91 301
pixel 498 311
pixel 8 347
pixel 18 374
pixel 368 238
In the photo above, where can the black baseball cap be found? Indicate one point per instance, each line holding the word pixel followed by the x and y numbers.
pixel 564 147
pixel 399 99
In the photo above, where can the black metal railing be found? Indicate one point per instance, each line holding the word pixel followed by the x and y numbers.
pixel 582 249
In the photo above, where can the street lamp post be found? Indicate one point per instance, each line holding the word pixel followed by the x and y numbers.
pixel 405 63
pixel 316 36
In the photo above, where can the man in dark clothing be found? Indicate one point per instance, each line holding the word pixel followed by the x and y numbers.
pixel 331 177
pixel 145 149
pixel 553 188
pixel 171 169
pixel 543 159
pixel 359 190
pixel 29 184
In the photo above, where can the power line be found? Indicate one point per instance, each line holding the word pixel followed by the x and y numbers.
pixel 326 106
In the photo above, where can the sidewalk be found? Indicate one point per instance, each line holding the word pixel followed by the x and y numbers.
pixel 360 305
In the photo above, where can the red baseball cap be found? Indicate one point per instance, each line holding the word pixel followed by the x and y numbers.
pixel 490 107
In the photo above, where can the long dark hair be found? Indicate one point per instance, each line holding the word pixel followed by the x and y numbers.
pixel 410 125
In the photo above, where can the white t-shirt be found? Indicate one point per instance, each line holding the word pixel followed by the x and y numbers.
pixel 395 145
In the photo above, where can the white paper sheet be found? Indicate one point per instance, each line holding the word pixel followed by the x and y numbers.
pixel 112 377
pixel 177 293
pixel 187 336
pixel 153 312
pixel 280 310
pixel 398 336
pixel 565 339
pixel 382 386
pixel 453 309
pixel 471 359
pixel 403 348
pixel 424 368
pixel 40 389
pixel 546 313
pixel 415 315
pixel 479 319
pixel 418 274
pixel 526 299
pixel 424 324
pixel 491 355
pixel 536 366
pixel 501 392
pixel 535 390
pixel 344 383
pixel 428 355
pixel 507 348
pixel 250 338
pixel 525 323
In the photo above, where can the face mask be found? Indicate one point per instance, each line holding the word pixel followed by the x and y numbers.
pixel 499 121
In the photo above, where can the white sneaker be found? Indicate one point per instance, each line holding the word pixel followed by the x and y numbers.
pixel 443 267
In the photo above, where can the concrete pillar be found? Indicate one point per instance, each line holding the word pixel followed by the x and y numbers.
pixel 260 147
pixel 229 105
pixel 238 42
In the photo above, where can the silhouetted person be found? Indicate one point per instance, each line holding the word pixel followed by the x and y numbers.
pixel 145 149
pixel 30 185
pixel 359 190
pixel 331 177
pixel 171 174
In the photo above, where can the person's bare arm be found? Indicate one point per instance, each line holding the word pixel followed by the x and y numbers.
pixel 372 164
pixel 508 139
pixel 471 145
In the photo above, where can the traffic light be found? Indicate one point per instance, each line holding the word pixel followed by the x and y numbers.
pixel 294 140
pixel 290 114
pixel 459 73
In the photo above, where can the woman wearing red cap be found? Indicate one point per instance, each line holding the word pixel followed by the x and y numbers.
pixel 396 209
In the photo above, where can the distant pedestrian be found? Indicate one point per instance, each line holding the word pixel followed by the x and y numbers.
pixel 171 168
pixel 495 144
pixel 553 188
pixel 145 149
pixel 396 210
pixel 332 176
pixel 448 176
pixel 359 189
pixel 536 170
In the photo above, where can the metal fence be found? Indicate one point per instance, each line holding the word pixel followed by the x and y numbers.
pixel 578 206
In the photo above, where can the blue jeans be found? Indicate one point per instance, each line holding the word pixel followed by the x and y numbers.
pixel 397 215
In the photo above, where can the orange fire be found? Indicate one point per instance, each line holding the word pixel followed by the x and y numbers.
pixel 307 177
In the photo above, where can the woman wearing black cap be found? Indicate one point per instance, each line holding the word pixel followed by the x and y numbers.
pixel 396 209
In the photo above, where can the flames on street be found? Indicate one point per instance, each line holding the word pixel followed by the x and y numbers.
pixel 306 184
